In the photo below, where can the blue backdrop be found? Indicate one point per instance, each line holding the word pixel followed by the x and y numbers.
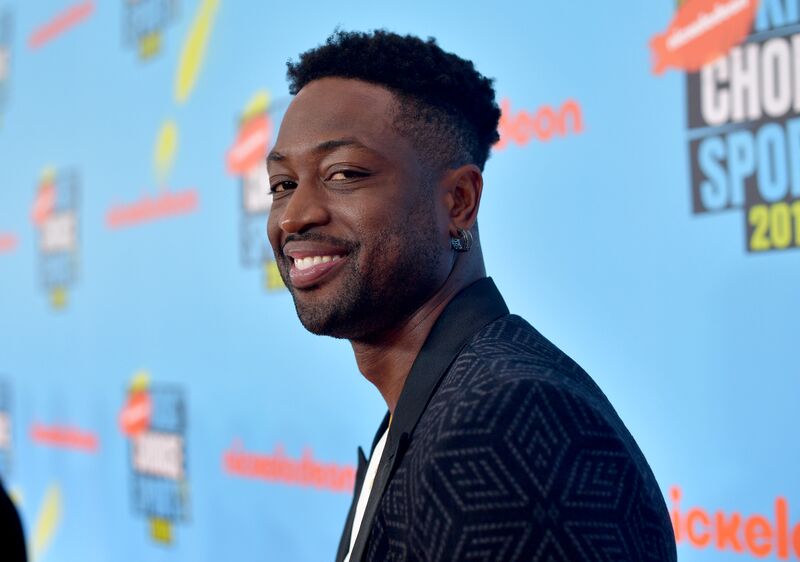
pixel 159 399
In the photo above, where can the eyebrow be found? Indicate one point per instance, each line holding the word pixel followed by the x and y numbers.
pixel 327 146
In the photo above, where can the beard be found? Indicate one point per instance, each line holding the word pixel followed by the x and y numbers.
pixel 403 270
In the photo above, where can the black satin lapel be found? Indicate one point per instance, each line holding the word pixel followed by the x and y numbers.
pixel 378 434
pixel 385 468
pixel 344 542
pixel 361 471
pixel 470 310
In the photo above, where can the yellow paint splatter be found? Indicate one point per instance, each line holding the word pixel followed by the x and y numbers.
pixel 58 298
pixel 272 276
pixel 166 147
pixel 161 530
pixel 47 522
pixel 140 381
pixel 257 105
pixel 149 45
pixel 48 174
pixel 194 50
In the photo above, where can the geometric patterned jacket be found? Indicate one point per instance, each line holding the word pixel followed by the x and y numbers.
pixel 503 448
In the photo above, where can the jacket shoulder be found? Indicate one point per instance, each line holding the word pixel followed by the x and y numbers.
pixel 518 440
pixel 509 357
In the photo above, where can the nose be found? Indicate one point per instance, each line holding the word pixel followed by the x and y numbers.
pixel 305 209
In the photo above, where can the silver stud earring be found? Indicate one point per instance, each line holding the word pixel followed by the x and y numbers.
pixel 463 242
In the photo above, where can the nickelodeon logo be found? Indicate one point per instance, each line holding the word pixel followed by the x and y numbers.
pixel 543 125
pixel 758 535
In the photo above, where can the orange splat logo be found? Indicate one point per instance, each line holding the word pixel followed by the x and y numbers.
pixel 701 32
pixel 250 148
pixel 135 416
pixel 44 204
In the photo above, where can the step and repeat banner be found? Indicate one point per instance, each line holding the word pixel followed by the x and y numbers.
pixel 159 399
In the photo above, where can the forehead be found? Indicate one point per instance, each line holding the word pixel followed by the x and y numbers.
pixel 329 109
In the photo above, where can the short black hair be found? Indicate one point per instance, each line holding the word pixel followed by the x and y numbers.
pixel 447 107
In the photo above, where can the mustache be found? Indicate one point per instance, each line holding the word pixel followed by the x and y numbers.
pixel 347 245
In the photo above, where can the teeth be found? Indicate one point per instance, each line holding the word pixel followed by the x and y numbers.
pixel 310 261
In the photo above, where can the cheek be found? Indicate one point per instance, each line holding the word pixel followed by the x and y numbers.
pixel 390 233
pixel 378 209
pixel 273 229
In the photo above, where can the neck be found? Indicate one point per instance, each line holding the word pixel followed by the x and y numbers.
pixel 386 361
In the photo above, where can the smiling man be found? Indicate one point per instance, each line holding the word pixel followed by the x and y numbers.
pixel 496 445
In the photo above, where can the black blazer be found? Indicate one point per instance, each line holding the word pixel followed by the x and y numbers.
pixel 503 448
pixel 12 540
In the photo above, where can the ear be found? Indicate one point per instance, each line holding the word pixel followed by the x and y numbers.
pixel 464 186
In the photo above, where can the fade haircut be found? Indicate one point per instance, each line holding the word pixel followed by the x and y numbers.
pixel 446 107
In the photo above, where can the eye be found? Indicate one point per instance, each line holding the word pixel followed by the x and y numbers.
pixel 344 175
pixel 281 186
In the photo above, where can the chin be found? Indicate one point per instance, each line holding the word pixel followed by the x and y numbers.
pixel 324 327
pixel 341 322
pixel 315 316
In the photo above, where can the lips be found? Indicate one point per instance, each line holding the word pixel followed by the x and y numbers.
pixel 312 263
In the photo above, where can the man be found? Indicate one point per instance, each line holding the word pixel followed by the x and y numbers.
pixel 496 445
